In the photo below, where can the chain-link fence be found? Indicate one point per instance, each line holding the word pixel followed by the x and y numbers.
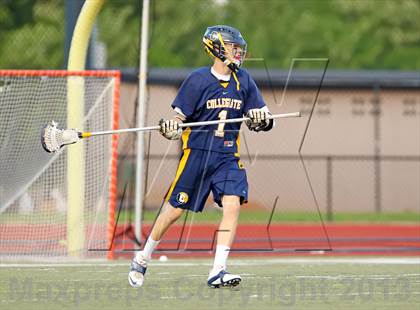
pixel 36 34
pixel 356 134
pixel 353 34
pixel 32 34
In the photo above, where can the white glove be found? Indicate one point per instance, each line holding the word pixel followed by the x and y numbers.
pixel 170 129
pixel 258 119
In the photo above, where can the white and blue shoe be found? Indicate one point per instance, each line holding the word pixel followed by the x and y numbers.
pixel 137 271
pixel 223 278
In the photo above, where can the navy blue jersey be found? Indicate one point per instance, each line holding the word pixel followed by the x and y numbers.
pixel 203 98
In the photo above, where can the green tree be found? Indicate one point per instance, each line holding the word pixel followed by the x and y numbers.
pixel 15 13
pixel 32 34
pixel 357 34
pixel 119 24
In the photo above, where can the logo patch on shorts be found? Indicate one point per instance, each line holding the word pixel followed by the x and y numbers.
pixel 228 143
pixel 182 197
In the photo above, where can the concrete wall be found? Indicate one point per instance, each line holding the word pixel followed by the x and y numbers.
pixel 349 129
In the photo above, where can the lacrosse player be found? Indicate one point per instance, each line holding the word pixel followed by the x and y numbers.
pixel 210 156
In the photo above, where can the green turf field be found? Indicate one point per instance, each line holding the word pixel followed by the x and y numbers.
pixel 263 216
pixel 246 216
pixel 281 283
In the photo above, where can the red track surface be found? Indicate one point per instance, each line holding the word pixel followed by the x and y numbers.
pixel 251 240
pixel 287 239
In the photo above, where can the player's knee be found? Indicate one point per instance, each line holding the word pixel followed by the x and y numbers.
pixel 232 208
pixel 231 204
pixel 174 213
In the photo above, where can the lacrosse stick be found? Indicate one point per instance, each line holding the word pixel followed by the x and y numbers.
pixel 53 137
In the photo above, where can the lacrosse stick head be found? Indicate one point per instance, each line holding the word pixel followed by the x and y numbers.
pixel 53 138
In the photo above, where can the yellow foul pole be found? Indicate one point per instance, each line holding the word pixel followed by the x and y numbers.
pixel 75 113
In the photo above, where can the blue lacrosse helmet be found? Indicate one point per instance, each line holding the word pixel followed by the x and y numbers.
pixel 215 40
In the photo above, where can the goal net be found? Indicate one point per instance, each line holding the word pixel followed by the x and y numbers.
pixel 57 205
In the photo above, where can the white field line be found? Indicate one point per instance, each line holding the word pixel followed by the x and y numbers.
pixel 371 276
pixel 235 262
pixel 347 294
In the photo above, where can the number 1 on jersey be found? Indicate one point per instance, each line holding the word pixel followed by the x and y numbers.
pixel 219 132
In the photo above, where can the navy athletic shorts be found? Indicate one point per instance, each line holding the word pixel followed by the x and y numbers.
pixel 202 171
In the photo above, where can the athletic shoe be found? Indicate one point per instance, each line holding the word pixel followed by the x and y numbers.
pixel 137 270
pixel 223 278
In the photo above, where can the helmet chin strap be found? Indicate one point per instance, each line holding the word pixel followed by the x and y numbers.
pixel 232 66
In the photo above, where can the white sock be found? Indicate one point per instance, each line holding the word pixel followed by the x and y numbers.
pixel 149 247
pixel 222 253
